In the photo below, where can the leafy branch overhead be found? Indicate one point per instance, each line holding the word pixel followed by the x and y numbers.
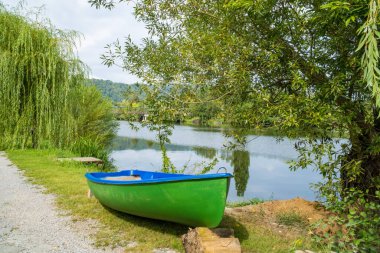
pixel 369 44
pixel 370 35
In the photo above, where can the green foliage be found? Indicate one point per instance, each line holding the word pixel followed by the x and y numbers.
pixel 369 42
pixel 291 219
pixel 43 102
pixel 167 165
pixel 205 111
pixel 93 115
pixel 38 68
pixel 114 91
pixel 253 201
pixel 355 209
pixel 350 12
pixel 93 148
pixel 208 167
pixel 94 123
pixel 357 224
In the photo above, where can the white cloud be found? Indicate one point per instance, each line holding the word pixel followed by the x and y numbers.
pixel 98 26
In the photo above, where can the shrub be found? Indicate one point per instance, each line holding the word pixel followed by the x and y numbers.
pixel 93 115
pixel 91 147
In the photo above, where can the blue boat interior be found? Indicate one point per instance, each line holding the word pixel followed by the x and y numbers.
pixel 147 177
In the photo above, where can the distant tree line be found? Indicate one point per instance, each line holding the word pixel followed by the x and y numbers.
pixel 114 91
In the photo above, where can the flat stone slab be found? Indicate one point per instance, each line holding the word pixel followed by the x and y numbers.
pixel 82 159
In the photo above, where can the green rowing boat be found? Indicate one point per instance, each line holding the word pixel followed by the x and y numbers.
pixel 193 200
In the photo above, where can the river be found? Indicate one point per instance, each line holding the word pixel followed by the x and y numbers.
pixel 260 169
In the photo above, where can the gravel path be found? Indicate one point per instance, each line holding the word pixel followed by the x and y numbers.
pixel 29 221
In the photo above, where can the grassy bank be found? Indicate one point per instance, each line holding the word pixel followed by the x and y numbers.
pixel 67 182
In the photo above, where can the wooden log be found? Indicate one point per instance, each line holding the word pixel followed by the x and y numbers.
pixel 205 240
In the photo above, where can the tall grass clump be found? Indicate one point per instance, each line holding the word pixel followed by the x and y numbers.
pixel 95 124
pixel 94 119
pixel 92 147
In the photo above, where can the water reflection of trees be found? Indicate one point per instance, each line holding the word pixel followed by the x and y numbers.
pixel 239 158
pixel 125 143
pixel 209 153
pixel 241 162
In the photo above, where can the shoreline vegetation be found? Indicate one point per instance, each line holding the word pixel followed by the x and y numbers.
pixel 132 103
pixel 268 226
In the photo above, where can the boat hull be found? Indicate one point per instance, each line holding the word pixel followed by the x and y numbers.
pixel 198 202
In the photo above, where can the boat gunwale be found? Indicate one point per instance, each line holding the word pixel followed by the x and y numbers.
pixel 180 178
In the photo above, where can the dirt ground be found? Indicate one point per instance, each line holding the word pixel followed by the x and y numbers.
pixel 311 211
pixel 267 215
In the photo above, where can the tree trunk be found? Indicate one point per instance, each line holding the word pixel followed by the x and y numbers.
pixel 366 180
pixel 363 148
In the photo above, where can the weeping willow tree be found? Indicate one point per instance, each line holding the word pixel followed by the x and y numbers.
pixel 38 68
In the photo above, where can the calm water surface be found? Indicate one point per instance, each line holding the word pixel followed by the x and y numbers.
pixel 260 170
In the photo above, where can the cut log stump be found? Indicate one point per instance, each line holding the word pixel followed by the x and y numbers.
pixel 205 240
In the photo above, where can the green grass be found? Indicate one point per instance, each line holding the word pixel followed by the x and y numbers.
pixel 253 201
pixel 291 219
pixel 66 180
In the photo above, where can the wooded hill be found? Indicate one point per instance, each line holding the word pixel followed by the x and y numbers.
pixel 113 90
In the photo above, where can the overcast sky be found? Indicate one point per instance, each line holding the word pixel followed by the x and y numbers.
pixel 99 27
